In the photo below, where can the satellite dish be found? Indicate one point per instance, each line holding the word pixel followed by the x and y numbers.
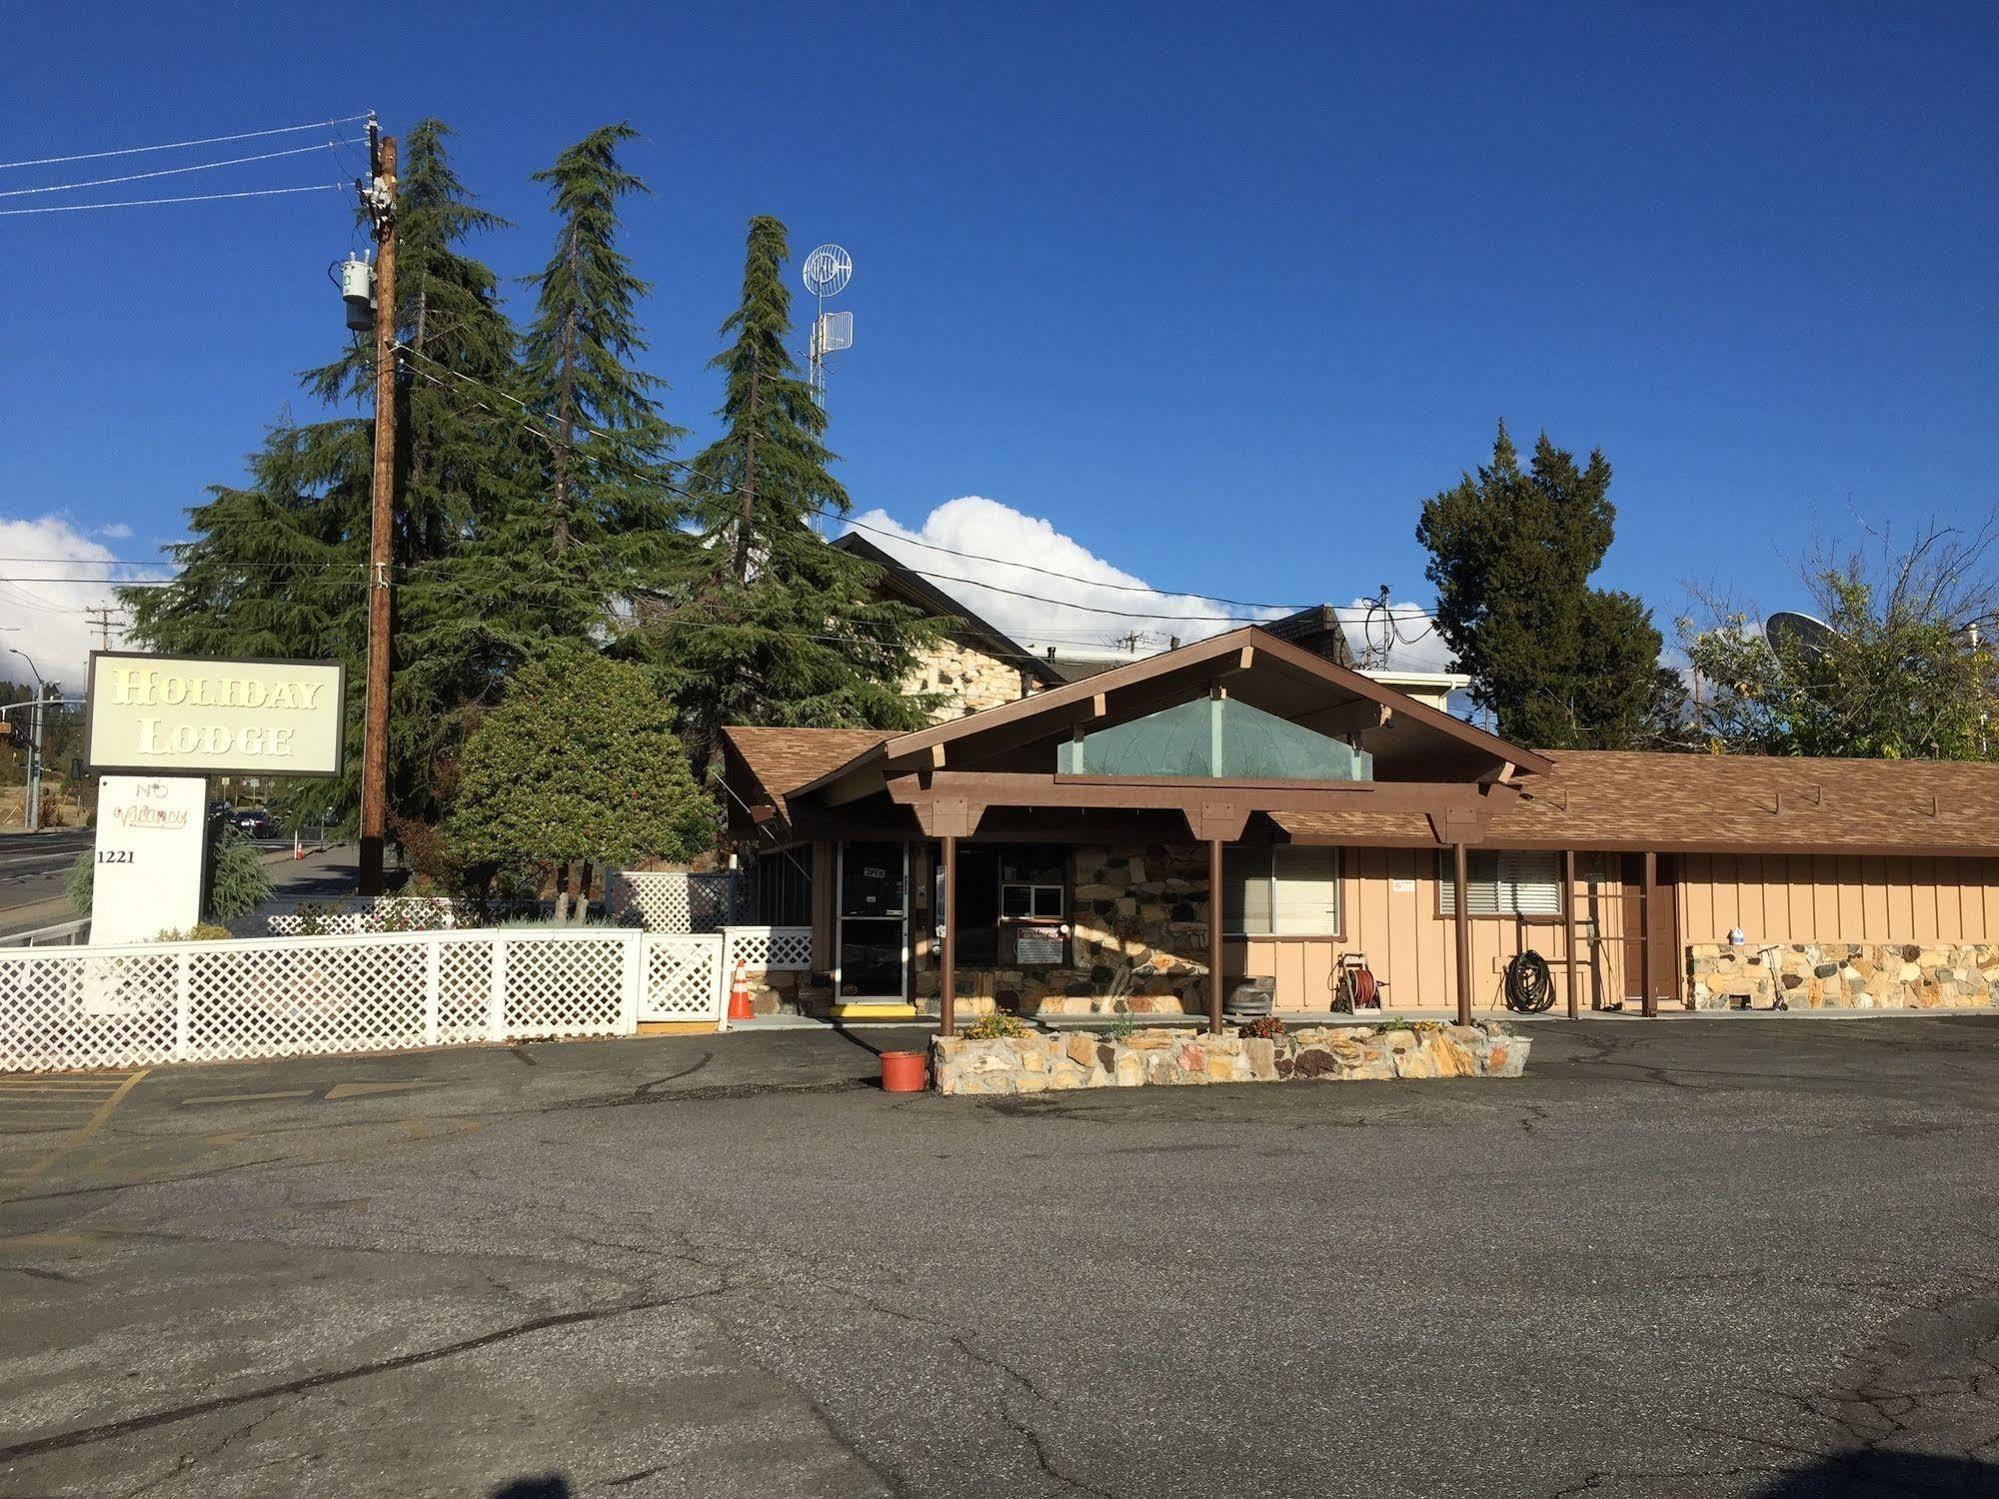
pixel 827 270
pixel 1791 633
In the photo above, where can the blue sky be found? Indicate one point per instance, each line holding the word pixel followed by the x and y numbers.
pixel 1221 293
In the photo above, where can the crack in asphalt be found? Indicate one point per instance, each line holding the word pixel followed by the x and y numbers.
pixel 106 1431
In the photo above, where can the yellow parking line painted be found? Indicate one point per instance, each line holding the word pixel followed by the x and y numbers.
pixel 30 1174
pixel 247 1097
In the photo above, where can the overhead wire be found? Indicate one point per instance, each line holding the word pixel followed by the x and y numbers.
pixel 261 192
pixel 828 513
pixel 209 140
pixel 198 166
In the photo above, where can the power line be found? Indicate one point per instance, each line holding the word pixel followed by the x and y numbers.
pixel 209 140
pixel 262 192
pixel 832 514
pixel 199 166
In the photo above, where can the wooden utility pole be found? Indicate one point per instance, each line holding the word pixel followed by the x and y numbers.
pixel 104 617
pixel 380 199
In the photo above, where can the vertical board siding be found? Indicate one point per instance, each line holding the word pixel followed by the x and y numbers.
pixel 1838 898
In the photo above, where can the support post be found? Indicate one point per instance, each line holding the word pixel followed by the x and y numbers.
pixel 947 966
pixel 375 734
pixel 183 1005
pixel 1215 903
pixel 1569 926
pixel 432 989
pixel 1650 965
pixel 1461 866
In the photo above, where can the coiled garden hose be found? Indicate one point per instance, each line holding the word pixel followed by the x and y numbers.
pixel 1530 987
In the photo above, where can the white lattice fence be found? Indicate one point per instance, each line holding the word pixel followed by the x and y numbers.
pixel 668 901
pixel 767 949
pixel 386 913
pixel 77 1007
pixel 684 977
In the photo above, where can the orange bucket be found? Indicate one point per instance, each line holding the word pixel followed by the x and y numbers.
pixel 905 1071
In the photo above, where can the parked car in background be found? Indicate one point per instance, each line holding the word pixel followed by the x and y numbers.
pixel 254 822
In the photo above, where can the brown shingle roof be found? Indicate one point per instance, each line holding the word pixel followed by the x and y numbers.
pixel 1616 799
pixel 782 760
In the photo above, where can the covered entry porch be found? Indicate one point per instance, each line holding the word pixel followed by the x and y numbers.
pixel 1071 845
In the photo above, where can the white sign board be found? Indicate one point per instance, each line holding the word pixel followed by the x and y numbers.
pixel 151 834
pixel 178 715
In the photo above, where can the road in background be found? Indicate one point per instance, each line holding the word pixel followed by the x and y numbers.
pixel 35 867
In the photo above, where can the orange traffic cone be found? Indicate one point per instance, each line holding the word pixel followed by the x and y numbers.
pixel 298 848
pixel 739 992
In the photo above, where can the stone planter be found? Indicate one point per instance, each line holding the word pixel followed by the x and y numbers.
pixel 1040 1063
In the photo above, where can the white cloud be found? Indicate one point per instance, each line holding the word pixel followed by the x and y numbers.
pixel 1406 629
pixel 116 531
pixel 1064 612
pixel 46 618
pixel 1081 612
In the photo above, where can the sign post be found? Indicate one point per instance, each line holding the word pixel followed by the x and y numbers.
pixel 158 727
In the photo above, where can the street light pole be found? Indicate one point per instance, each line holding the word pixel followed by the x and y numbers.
pixel 34 807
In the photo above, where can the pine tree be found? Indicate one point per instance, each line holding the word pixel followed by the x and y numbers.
pixel 1561 664
pixel 602 526
pixel 278 566
pixel 770 625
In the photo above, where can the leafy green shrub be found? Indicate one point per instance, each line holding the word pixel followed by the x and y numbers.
pixel 82 876
pixel 239 883
pixel 314 916
pixel 201 931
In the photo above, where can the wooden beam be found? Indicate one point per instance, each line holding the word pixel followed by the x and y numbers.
pixel 1461 867
pixel 1649 965
pixel 1361 716
pixel 1458 799
pixel 1215 894
pixel 1569 925
pixel 944 816
pixel 937 757
pixel 947 966
pixel 1217 820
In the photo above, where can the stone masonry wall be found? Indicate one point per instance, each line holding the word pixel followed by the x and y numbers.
pixel 966 679
pixel 1138 922
pixel 1844 975
pixel 1040 1063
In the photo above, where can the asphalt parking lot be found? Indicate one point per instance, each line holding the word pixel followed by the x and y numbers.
pixel 1704 1258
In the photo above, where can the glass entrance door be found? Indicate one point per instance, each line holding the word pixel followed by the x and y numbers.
pixel 874 920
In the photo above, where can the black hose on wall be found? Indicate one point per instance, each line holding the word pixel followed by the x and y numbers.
pixel 1530 987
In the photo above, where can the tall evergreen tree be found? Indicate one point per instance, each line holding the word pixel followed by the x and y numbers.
pixel 770 625
pixel 278 566
pixel 1561 664
pixel 602 524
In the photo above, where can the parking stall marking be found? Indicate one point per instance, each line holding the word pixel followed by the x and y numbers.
pixel 32 1108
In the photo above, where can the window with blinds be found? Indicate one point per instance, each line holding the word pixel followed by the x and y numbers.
pixel 1281 891
pixel 1504 883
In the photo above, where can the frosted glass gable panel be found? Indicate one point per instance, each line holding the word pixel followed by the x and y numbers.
pixel 1215 739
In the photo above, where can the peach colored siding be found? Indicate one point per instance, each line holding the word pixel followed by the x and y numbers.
pixel 1827 898
pixel 1389 909
pixel 1389 901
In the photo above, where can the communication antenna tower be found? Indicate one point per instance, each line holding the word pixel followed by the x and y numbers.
pixel 826 272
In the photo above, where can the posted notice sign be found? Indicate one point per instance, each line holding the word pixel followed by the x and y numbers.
pixel 151 835
pixel 179 715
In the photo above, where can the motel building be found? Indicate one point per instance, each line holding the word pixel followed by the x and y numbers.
pixel 1154 837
